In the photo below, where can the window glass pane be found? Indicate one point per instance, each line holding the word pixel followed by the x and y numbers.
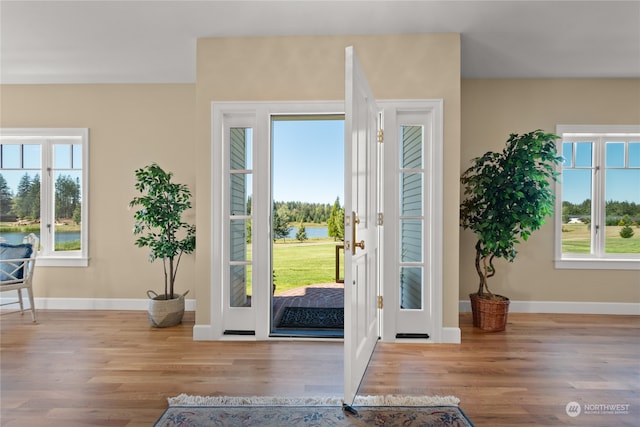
pixel 622 194
pixel 67 210
pixel 20 208
pixel 411 240
pixel 576 211
pixel 238 240
pixel 62 156
pixel 411 194
pixel 239 205
pixel 567 153
pixel 240 148
pixel 411 151
pixel 584 156
pixel 615 154
pixel 411 288
pixel 239 286
pixel 11 156
pixel 634 154
pixel 31 156
pixel 240 196
pixel 77 156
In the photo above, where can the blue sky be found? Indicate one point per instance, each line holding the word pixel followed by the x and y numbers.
pixel 308 161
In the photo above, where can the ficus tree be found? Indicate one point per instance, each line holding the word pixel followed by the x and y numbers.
pixel 158 221
pixel 507 196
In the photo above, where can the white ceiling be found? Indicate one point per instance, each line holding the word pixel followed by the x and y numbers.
pixel 154 41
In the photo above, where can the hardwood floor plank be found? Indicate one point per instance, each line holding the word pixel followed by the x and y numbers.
pixel 109 368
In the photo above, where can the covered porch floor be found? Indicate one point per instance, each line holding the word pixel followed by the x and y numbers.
pixel 329 295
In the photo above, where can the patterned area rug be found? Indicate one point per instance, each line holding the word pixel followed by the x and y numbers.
pixel 312 318
pixel 191 411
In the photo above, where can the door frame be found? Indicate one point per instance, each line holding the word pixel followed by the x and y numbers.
pixel 261 112
pixel 431 112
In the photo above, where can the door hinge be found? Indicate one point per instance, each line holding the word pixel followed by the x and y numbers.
pixel 380 218
pixel 380 302
pixel 381 135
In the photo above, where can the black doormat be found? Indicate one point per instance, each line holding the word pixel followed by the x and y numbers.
pixel 312 318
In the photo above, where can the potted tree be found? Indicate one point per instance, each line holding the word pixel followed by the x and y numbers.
pixel 507 196
pixel 160 227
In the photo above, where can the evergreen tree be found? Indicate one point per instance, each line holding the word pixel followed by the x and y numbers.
pixel 281 227
pixel 6 197
pixel 67 196
pixel 301 235
pixel 34 198
pixel 340 222
pixel 77 215
pixel 335 223
pixel 626 232
pixel 27 200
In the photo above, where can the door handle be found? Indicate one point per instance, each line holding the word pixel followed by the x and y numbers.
pixel 354 227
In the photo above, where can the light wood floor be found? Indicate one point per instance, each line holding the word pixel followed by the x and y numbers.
pixel 108 368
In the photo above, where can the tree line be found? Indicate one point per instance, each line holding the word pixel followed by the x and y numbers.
pixel 286 213
pixel 25 204
pixel 615 211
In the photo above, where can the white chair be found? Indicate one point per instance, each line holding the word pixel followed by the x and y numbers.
pixel 17 263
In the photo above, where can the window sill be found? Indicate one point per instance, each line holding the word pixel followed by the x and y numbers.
pixel 598 264
pixel 53 261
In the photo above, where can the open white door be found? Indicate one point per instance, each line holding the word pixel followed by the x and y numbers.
pixel 361 234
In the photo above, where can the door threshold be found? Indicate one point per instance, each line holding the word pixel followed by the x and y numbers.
pixel 306 333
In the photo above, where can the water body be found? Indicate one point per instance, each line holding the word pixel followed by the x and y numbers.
pixel 15 238
pixel 312 232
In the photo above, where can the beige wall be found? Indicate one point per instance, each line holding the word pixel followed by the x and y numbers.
pixel 491 110
pixel 129 127
pixel 312 68
pixel 133 125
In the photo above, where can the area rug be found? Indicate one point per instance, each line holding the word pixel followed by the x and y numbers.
pixel 312 318
pixel 392 411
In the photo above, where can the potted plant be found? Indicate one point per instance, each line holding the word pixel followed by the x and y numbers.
pixel 507 195
pixel 160 227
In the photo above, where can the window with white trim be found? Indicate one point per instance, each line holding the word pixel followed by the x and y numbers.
pixel 43 190
pixel 598 197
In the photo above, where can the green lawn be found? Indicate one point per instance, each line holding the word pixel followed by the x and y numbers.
pixel 576 239
pixel 301 264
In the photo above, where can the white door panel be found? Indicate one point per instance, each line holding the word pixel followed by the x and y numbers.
pixel 361 235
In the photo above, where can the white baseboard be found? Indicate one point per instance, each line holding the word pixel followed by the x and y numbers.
pixel 566 307
pixel 92 303
pixel 202 333
pixel 451 336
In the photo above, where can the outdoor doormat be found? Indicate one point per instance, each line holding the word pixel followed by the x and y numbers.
pixel 312 318
pixel 284 412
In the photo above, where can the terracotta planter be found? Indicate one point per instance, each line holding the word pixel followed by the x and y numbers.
pixel 490 314
pixel 165 312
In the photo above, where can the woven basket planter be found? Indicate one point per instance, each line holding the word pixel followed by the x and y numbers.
pixel 488 314
pixel 165 312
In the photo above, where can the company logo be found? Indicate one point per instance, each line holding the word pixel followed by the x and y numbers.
pixel 573 409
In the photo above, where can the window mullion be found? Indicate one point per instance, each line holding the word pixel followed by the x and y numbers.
pixel 598 202
pixel 46 199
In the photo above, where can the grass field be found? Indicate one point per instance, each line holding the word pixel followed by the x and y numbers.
pixel 300 264
pixel 576 238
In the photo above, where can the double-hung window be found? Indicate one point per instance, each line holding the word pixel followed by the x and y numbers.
pixel 43 190
pixel 598 198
